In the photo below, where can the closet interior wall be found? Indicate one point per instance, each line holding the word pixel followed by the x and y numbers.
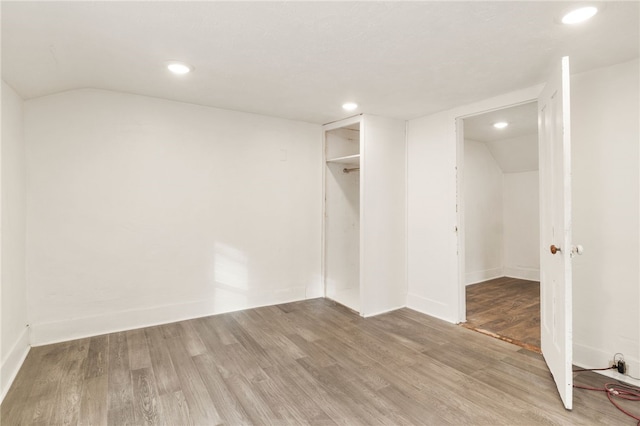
pixel 342 216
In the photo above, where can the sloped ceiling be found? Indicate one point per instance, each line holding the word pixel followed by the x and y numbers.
pixel 515 148
pixel 516 155
pixel 302 60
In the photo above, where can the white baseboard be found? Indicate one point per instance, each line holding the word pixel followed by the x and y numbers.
pixel 13 361
pixel 224 301
pixel 588 357
pixel 485 275
pixel 386 311
pixel 314 291
pixel 430 307
pixel 522 273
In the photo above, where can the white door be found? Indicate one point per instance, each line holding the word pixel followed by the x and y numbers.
pixel 555 230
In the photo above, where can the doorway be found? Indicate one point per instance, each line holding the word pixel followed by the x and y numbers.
pixel 499 193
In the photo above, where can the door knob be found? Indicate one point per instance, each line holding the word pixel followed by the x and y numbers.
pixel 554 249
pixel 577 249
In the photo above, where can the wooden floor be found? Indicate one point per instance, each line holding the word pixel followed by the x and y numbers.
pixel 311 362
pixel 508 308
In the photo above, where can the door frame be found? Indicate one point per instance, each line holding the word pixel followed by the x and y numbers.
pixel 460 196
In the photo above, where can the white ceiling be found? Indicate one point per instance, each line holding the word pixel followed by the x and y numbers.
pixel 515 148
pixel 522 119
pixel 302 60
pixel 516 155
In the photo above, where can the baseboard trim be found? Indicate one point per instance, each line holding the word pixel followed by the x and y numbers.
pixel 314 291
pixel 485 275
pixel 386 311
pixel 12 363
pixel 223 302
pixel 588 357
pixel 430 307
pixel 523 273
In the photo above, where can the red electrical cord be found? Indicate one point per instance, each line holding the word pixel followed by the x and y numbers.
pixel 577 370
pixel 618 390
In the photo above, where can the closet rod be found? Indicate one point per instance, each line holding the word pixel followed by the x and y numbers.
pixel 354 169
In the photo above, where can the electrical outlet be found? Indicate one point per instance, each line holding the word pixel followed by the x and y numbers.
pixel 618 363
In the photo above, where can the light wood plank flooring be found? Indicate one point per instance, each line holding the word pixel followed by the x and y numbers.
pixel 507 308
pixel 310 362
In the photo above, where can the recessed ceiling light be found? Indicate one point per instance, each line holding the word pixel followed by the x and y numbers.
pixel 500 124
pixel 179 67
pixel 579 15
pixel 350 106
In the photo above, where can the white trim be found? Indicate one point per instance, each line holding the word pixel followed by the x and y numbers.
pixel 76 328
pixel 588 357
pixel 615 375
pixel 460 228
pixel 13 361
pixel 362 195
pixel 323 223
pixel 520 97
pixel 430 307
pixel 314 291
pixel 386 311
pixel 530 274
pixel 406 210
pixel 509 105
pixel 481 276
pixel 342 123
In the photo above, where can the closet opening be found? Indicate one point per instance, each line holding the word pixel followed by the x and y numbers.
pixel 342 214
pixel 498 197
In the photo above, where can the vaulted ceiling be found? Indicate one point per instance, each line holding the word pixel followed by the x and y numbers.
pixel 302 60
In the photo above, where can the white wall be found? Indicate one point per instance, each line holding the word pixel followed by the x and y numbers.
pixel 14 341
pixel 501 217
pixel 605 132
pixel 432 241
pixel 432 272
pixel 521 226
pixel 515 155
pixel 342 220
pixel 483 218
pixel 144 211
pixel 383 243
pixel 605 136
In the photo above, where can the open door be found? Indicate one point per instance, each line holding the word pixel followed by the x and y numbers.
pixel 555 230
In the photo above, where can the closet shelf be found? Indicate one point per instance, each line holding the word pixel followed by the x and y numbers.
pixel 352 160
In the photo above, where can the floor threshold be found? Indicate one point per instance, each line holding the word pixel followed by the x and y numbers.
pixel 527 346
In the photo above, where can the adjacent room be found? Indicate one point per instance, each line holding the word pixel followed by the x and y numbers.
pixel 277 212
pixel 501 224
